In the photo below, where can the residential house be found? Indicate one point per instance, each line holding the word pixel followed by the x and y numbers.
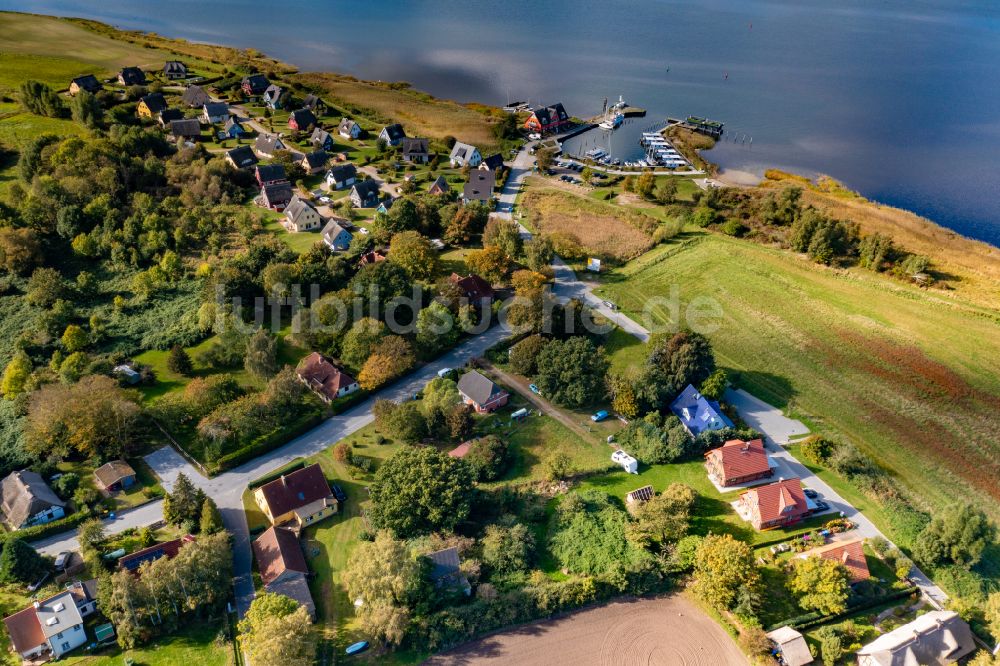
pixel 150 105
pixel 446 570
pixel 325 379
pixel 27 500
pixel 255 85
pixel 463 153
pixel 479 391
pixel 301 120
pixel 349 129
pixel 850 553
pixel 241 157
pixel 300 498
pixel 115 475
pixel 791 646
pixel 439 186
pixel 268 145
pixel 547 119
pixel 369 258
pixel 167 549
pixel 272 96
pixel 313 103
pixel 475 289
pixel 480 187
pixel 321 139
pixel 640 495
pixel 127 373
pixel 698 413
pixel 233 129
pixel 341 176
pixel 175 69
pixel 493 163
pixel 392 134
pixel 384 206
pixel 282 566
pixel 86 82
pixel 270 173
pixel 933 639
pixel 315 161
pixel 188 128
pixel 195 97
pixel 415 150
pixel 737 462
pixel 167 116
pixel 52 627
pixel 214 112
pixel 131 76
pixel 365 194
pixel 301 216
pixel 775 505
pixel 336 237
pixel 276 195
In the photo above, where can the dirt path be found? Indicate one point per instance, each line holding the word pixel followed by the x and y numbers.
pixel 670 631
pixel 520 385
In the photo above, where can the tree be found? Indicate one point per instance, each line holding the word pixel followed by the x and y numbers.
pixel 508 550
pixel 543 158
pixel 402 422
pixel 41 100
pixel 830 646
pixel 487 457
pixel 523 356
pixel 179 362
pixel 681 359
pixel 261 359
pixel 663 519
pixel 571 372
pixel 211 518
pixel 460 422
pixel 958 536
pixel 87 110
pixel 20 563
pixel 538 252
pixel 504 234
pixel 821 585
pixel 623 397
pixel 420 490
pixel 360 340
pixel 16 375
pixel 389 359
pixel 183 503
pixel 463 223
pixel 557 465
pixel 722 567
pixel 991 613
pixel 92 417
pixel 45 287
pixel 278 630
pixel 667 192
pixel 90 536
pixel 490 263
pixel 74 338
pixel 644 184
pixel 436 328
pixel 20 250
pixel 415 254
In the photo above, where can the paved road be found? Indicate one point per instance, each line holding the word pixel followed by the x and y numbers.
pixel 227 488
pixel 138 517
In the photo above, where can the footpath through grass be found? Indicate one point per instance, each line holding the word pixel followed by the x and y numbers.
pixel 911 376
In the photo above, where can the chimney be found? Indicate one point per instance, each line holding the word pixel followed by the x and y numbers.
pixel 284 480
pixel 37 605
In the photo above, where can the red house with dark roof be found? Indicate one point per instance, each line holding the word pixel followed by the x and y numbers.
pixel 547 118
pixel 324 378
pixel 477 290
pixel 737 462
pixel 299 498
pixel 774 505
pixel 850 553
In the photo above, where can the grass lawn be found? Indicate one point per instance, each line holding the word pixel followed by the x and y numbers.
pixel 624 350
pixel 908 375
pixel 197 643
pixel 299 241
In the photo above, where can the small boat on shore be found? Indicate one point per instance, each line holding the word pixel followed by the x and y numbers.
pixel 357 648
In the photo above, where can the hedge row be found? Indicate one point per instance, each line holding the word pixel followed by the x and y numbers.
pixel 257 483
pixel 266 443
pixel 809 620
pixel 38 532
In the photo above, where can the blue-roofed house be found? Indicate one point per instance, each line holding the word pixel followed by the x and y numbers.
pixel 698 413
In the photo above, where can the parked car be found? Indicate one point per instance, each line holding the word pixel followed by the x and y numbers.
pixel 599 416
pixel 609 305
pixel 821 506
pixel 62 559
pixel 339 493
pixel 534 389
pixel 810 493
pixel 534 136
pixel 325 199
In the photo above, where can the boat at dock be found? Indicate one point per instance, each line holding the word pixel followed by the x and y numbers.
pixel 612 122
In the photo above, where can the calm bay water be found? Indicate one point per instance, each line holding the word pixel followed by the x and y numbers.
pixel 897 98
